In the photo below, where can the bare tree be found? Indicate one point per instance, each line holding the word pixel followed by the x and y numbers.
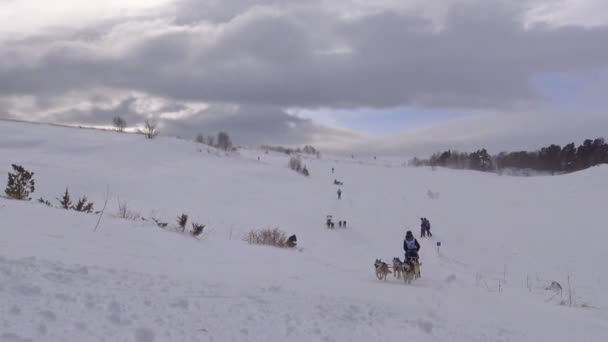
pixel 119 123
pixel 149 130
pixel 223 141
pixel 200 138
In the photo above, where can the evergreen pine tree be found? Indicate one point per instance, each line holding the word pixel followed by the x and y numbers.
pixel 20 183
pixel 65 201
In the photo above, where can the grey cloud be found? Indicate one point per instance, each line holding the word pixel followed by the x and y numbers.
pixel 221 11
pixel 248 125
pixel 256 125
pixel 496 132
pixel 100 115
pixel 483 57
pixel 266 56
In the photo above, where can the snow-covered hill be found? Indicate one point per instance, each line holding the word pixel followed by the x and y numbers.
pixel 504 239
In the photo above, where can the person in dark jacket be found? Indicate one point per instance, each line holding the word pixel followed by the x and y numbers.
pixel 410 246
pixel 428 227
pixel 422 227
pixel 292 241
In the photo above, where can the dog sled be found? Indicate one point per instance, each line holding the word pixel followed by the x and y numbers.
pixel 407 270
pixel 330 224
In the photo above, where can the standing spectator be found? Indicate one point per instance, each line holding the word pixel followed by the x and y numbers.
pixel 422 227
pixel 428 227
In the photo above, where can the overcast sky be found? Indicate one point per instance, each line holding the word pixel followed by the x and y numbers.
pixel 393 76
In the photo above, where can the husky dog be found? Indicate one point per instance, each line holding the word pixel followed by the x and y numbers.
pixel 397 267
pixel 409 271
pixel 415 264
pixel 382 269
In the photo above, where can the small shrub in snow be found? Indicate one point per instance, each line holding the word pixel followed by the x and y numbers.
pixel 197 229
pixel 271 237
pixel 295 163
pixel 20 183
pixel 149 131
pixel 44 201
pixel 555 287
pixel 125 213
pixel 83 205
pixel 65 201
pixel 181 222
pixel 159 223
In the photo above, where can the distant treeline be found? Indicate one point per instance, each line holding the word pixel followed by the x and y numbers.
pixel 306 149
pixel 552 158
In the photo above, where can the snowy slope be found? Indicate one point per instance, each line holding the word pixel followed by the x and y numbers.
pixel 503 240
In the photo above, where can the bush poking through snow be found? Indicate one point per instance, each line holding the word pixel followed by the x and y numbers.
pixel 83 205
pixel 149 131
pixel 271 237
pixel 45 202
pixel 125 213
pixel 160 223
pixel 20 183
pixel 295 163
pixel 182 220
pixel 197 229
pixel 65 201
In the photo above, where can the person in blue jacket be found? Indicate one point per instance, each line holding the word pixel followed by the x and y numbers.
pixel 410 246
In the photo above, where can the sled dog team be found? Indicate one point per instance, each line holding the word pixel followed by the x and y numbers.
pixel 407 270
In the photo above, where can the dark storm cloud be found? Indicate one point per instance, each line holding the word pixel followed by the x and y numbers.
pixel 482 57
pixel 292 54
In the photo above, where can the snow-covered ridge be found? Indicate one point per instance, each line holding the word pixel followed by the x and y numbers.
pixel 503 240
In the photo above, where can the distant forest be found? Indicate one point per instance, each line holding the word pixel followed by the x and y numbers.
pixel 553 158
